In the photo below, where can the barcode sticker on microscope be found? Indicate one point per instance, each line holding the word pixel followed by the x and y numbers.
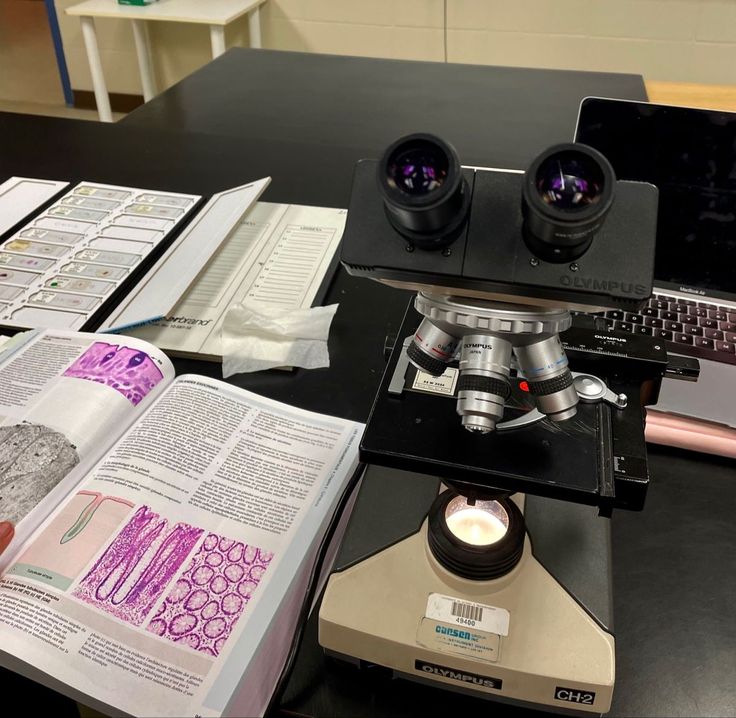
pixel 459 612
pixel 471 611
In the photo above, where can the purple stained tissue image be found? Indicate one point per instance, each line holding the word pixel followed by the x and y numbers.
pixel 129 371
pixel 136 568
pixel 206 602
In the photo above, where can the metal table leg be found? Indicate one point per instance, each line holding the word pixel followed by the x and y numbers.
pixel 95 68
pixel 143 50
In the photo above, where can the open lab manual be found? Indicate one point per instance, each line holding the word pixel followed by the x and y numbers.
pixel 166 526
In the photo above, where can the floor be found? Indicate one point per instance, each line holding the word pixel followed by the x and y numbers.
pixel 51 109
pixel 29 78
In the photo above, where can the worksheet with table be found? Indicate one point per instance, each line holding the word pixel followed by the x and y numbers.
pixel 278 255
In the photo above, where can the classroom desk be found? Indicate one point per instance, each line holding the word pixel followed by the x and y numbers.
pixel 674 564
pixel 692 94
pixel 217 14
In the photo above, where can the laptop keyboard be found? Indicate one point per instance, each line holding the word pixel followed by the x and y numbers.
pixel 690 327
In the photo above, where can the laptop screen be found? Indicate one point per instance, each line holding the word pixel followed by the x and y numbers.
pixel 691 156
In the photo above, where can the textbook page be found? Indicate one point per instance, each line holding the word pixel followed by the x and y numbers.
pixel 64 397
pixel 279 255
pixel 151 589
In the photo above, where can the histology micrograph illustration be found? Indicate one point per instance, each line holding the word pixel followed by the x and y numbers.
pixel 210 596
pixel 129 371
pixel 137 567
pixel 33 460
pixel 76 534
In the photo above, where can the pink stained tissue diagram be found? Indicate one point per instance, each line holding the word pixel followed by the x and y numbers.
pixel 137 567
pixel 211 595
pixel 129 371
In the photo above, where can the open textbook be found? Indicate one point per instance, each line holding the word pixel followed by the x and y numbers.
pixel 166 527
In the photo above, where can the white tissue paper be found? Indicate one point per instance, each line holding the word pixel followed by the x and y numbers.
pixel 258 336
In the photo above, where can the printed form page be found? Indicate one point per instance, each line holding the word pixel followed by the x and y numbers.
pixel 278 255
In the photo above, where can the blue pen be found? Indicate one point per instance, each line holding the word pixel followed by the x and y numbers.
pixel 131 325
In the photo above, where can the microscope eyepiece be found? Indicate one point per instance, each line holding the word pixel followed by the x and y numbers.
pixel 425 195
pixel 419 166
pixel 566 194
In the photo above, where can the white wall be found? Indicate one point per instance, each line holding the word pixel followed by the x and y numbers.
pixel 677 40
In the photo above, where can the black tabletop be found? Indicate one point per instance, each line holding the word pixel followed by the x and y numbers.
pixel 494 116
pixel 304 120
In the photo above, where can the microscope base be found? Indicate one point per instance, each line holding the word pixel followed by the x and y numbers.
pixel 521 638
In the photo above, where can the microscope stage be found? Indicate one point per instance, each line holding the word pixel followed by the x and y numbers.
pixel 597 458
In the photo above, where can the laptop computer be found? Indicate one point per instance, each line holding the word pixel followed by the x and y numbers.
pixel 690 154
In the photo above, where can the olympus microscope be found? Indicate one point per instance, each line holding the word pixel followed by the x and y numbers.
pixel 502 589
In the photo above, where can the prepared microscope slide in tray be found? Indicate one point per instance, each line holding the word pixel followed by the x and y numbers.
pixel 64 268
